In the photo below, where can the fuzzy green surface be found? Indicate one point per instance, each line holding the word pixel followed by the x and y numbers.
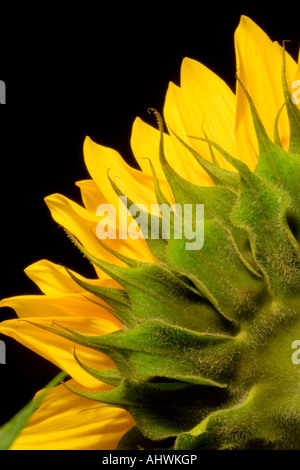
pixel 205 356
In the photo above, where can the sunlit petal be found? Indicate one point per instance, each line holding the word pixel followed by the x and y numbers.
pixel 58 350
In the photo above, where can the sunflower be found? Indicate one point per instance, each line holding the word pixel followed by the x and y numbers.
pixel 169 342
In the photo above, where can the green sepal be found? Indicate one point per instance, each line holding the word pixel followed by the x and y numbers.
pixel 154 349
pixel 133 263
pixel 262 210
pixel 88 341
pixel 242 424
pixel 274 163
pixel 222 240
pixel 158 192
pixel 276 126
pixel 218 269
pixel 10 431
pixel 135 440
pixel 109 376
pixel 212 153
pixel 222 429
pixel 282 169
pixel 172 293
pixel 160 414
pixel 164 296
pixel 213 197
pixel 264 142
pixel 157 244
pixel 116 298
pixel 220 176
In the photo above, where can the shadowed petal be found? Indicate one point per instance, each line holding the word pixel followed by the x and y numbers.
pixel 66 421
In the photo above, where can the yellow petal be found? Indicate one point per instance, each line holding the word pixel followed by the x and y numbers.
pixel 83 225
pixel 136 185
pixel 259 66
pixel 58 350
pixel 297 77
pixel 181 159
pixel 90 194
pixel 78 221
pixel 65 421
pixel 73 305
pixel 209 107
pixel 145 146
pixel 144 142
pixel 54 280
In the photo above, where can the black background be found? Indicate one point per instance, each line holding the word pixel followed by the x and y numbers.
pixel 88 71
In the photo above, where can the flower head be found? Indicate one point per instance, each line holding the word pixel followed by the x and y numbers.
pixel 175 340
